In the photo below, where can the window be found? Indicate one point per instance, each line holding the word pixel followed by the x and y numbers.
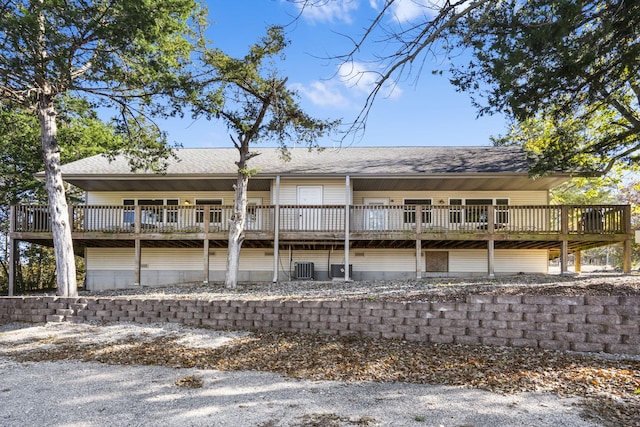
pixel 410 213
pixel 455 211
pixel 477 209
pixel 502 212
pixel 152 210
pixel 215 215
pixel 129 213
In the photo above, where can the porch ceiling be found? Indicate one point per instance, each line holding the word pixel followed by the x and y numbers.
pixel 368 183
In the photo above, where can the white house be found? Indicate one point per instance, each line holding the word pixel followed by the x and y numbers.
pixel 386 212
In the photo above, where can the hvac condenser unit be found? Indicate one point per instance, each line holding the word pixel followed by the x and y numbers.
pixel 304 270
pixel 337 270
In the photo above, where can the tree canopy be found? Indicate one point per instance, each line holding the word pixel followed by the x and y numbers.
pixel 573 61
pixel 120 53
pixel 252 98
pixel 538 58
pixel 81 134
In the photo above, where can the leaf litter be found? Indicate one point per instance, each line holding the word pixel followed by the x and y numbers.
pixel 609 386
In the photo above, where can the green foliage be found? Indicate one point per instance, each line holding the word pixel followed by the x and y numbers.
pixel 119 54
pixel 573 65
pixel 81 134
pixel 253 100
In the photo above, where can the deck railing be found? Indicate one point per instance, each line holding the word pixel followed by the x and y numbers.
pixel 583 219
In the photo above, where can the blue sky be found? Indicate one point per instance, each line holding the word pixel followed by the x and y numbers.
pixel 426 112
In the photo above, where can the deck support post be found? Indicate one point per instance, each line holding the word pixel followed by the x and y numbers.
pixel 137 261
pixel 626 256
pixel 418 259
pixel 626 245
pixel 564 257
pixel 13 252
pixel 491 257
pixel 276 231
pixel 577 261
pixel 418 242
pixel 347 221
pixel 137 256
pixel 564 248
pixel 206 222
pixel 205 279
pixel 491 225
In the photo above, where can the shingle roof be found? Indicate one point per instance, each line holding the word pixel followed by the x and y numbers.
pixel 345 161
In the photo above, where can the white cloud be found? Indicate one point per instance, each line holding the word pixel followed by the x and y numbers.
pixel 324 94
pixel 363 79
pixel 408 10
pixel 329 10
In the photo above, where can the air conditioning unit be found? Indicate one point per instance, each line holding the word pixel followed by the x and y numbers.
pixel 304 270
pixel 337 270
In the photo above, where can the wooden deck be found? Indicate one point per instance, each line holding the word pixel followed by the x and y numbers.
pixel 359 226
pixel 558 229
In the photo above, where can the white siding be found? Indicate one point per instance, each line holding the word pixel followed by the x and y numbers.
pixel 333 191
pixel 521 198
pixel 167 259
pixel 468 261
pixel 505 261
pixel 116 197
pixel 521 261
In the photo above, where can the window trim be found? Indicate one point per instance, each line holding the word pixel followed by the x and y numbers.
pixel 215 215
pixel 149 216
pixel 501 210
pixel 409 216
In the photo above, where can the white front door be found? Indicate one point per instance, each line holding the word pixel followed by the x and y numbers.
pixel 310 218
pixel 375 217
pixel 254 216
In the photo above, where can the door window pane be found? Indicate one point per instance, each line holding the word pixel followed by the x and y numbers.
pixel 215 215
pixel 410 213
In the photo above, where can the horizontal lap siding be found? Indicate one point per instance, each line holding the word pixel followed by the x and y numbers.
pixel 174 259
pixel 333 191
pixel 115 198
pixel 505 261
pixel 521 198
pixel 362 260
pixel 525 261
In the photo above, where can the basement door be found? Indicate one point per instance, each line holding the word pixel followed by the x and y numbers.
pixel 309 218
pixel 437 261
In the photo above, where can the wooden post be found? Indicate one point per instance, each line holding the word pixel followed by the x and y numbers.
pixel 626 256
pixel 418 242
pixel 276 231
pixel 347 208
pixel 577 261
pixel 490 257
pixel 138 262
pixel 564 255
pixel 418 258
pixel 491 243
pixel 626 245
pixel 13 252
pixel 564 230
pixel 205 280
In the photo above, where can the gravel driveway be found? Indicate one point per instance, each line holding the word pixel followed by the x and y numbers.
pixel 73 393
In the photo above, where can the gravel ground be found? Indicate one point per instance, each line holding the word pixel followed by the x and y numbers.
pixel 436 289
pixel 74 393
pixel 166 374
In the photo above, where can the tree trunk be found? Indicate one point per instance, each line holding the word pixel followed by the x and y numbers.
pixel 236 226
pixel 60 223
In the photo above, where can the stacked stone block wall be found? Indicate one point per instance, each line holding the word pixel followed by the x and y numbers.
pixel 580 323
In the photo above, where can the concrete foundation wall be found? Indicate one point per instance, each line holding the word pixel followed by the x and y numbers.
pixel 580 323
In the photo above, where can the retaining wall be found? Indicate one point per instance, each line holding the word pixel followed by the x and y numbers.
pixel 581 323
